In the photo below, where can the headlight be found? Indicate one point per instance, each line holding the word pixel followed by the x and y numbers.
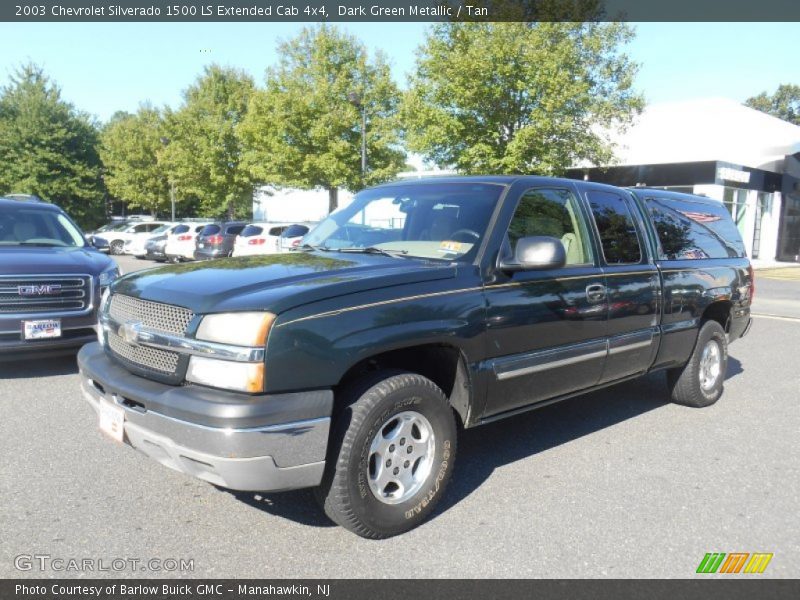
pixel 239 329
pixel 249 329
pixel 106 277
pixel 242 377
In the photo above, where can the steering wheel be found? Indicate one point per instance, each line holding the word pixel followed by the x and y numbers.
pixel 469 232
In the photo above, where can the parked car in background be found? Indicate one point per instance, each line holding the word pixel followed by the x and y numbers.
pixel 181 242
pixel 293 235
pixel 216 240
pixel 136 245
pixel 105 229
pixel 51 280
pixel 155 247
pixel 114 239
pixel 259 238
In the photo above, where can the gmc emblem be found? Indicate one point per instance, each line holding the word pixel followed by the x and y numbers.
pixel 39 290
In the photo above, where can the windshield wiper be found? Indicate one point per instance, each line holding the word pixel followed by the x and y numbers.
pixel 308 247
pixel 375 250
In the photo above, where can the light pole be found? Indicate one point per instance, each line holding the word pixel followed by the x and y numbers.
pixel 355 99
pixel 165 141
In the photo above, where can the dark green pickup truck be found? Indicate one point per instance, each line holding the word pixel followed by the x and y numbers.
pixel 419 308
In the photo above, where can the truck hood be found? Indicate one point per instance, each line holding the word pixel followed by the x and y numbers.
pixel 275 282
pixel 30 260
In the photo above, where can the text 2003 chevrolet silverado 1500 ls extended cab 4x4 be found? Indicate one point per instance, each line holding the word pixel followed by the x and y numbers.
pixel 346 365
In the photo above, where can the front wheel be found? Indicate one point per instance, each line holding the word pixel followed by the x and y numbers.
pixel 391 456
pixel 700 381
pixel 116 247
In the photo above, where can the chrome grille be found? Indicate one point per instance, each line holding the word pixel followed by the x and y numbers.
pixel 37 294
pixel 153 315
pixel 149 358
pixel 163 317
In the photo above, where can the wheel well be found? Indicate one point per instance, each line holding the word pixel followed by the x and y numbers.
pixel 444 365
pixel 720 312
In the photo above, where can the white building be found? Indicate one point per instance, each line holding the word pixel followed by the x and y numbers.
pixel 748 160
pixel 288 205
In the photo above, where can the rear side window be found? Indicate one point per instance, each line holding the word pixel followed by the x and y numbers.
pixel 276 231
pixel 294 231
pixel 234 229
pixel 694 230
pixel 252 230
pixel 616 227
pixel 210 230
pixel 181 229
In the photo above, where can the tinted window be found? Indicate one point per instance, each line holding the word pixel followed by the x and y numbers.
pixel 210 230
pixel 693 230
pixel 181 229
pixel 616 227
pixel 295 231
pixel 234 229
pixel 276 231
pixel 141 229
pixel 552 213
pixel 252 230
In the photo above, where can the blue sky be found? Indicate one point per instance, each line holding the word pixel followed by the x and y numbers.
pixel 104 67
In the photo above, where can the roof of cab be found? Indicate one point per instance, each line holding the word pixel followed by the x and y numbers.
pixel 11 202
pixel 504 180
pixel 645 191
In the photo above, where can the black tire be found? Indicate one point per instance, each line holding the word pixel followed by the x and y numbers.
pixel 116 247
pixel 346 494
pixel 686 384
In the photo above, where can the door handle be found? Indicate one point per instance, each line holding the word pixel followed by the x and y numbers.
pixel 595 292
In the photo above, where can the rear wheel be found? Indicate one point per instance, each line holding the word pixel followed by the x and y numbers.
pixel 116 247
pixel 700 381
pixel 391 455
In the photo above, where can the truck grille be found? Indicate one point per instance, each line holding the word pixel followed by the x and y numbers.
pixel 36 294
pixel 163 317
pixel 141 356
pixel 153 315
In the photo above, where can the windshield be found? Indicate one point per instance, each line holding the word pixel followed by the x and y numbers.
pixel 31 227
pixel 444 221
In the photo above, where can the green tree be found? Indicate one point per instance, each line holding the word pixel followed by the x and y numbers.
pixel 129 147
pixel 203 155
pixel 47 147
pixel 520 97
pixel 303 131
pixel 784 103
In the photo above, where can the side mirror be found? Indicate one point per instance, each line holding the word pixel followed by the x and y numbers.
pixel 536 253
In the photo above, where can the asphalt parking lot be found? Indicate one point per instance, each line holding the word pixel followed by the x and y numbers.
pixel 618 483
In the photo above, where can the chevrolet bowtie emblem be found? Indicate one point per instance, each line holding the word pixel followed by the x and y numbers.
pixel 129 332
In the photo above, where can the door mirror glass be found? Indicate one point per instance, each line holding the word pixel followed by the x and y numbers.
pixel 536 253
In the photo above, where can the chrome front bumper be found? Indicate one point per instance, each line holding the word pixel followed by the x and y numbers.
pixel 277 456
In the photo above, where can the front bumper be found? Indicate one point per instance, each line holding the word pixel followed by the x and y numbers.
pixel 76 331
pixel 236 441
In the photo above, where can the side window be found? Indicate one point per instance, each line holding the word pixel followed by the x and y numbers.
pixel 553 213
pixel 141 229
pixel 616 227
pixel 694 230
pixel 235 230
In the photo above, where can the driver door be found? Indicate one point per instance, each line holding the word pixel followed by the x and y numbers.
pixel 546 328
